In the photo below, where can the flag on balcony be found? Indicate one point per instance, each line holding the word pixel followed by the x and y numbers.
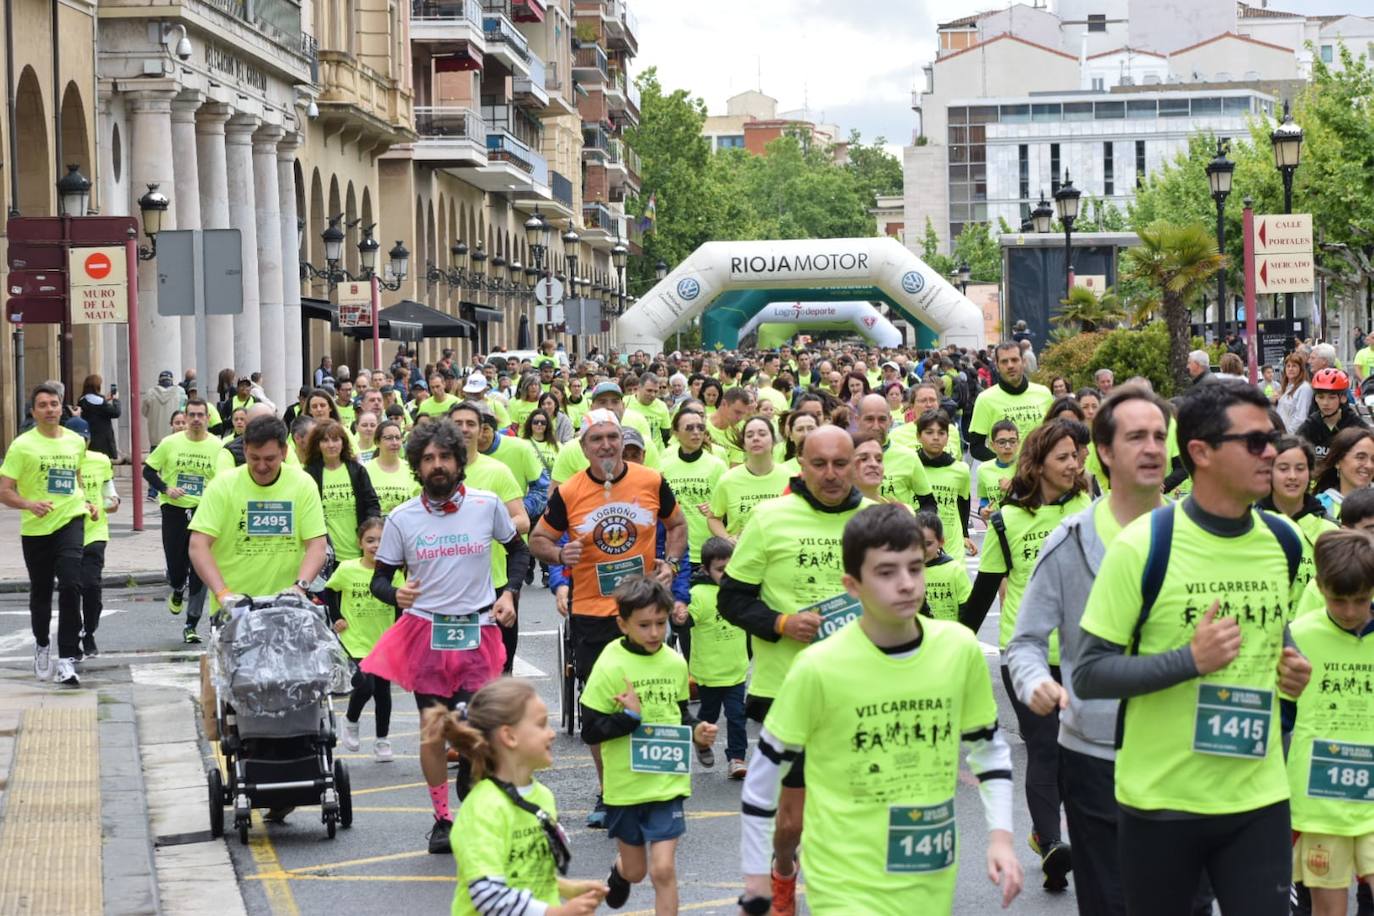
pixel 646 222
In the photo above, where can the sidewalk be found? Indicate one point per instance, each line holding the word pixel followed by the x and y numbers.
pixel 132 556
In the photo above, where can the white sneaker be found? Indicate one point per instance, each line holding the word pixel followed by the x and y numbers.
pixel 350 736
pixel 381 749
pixel 42 662
pixel 66 673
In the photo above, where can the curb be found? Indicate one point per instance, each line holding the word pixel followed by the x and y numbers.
pixel 127 857
pixel 120 580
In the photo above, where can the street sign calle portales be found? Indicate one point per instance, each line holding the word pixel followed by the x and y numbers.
pixel 1282 244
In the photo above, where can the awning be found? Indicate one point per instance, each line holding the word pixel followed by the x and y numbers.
pixel 318 309
pixel 409 314
pixel 484 314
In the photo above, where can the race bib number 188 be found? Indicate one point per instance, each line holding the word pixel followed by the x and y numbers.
pixel 1340 770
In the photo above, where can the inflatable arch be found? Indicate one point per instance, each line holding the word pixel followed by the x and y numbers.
pixel 747 276
pixel 858 316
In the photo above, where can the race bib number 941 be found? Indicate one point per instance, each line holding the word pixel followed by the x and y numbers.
pixel 920 839
pixel 271 518
pixel 1232 721
pixel 61 481
pixel 661 749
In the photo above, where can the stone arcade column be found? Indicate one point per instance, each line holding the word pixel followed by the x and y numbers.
pixel 159 338
pixel 214 214
pixel 293 371
pixel 186 200
pixel 269 273
pixel 238 145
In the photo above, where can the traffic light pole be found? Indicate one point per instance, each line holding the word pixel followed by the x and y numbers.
pixel 136 391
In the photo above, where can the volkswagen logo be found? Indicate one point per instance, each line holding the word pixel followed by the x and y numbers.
pixel 913 281
pixel 688 288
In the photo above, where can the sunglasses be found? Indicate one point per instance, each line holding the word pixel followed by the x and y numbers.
pixel 1255 442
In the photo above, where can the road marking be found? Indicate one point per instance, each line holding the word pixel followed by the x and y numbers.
pixel 12 641
pixel 179 675
pixel 280 900
pixel 524 669
pixel 285 876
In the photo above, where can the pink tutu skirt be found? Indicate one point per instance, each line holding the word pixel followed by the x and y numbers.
pixel 404 657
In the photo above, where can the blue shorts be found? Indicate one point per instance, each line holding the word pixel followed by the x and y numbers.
pixel 651 822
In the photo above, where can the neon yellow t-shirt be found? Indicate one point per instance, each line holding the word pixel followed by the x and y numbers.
pixel 96 471
pixel 392 487
pixel 907 434
pixel 1157 767
pixel 1312 527
pixel 739 490
pixel 1026 410
pixel 47 470
pixel 486 473
pixel 990 476
pixel 723 442
pixel 520 458
pixel 660 682
pixel 518 409
pixel 260 532
pixel 186 464
pixel 572 459
pixel 720 654
pixel 949 484
pixel 692 483
pixel 368 618
pixel 793 552
pixel 492 838
pixel 340 513
pixel 1364 360
pixel 655 416
pixel 947 586
pixel 881 734
pixel 904 477
pixel 433 407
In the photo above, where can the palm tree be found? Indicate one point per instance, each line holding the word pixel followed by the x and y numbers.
pixel 1175 262
pixel 1086 309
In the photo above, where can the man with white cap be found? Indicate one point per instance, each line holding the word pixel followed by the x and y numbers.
pixel 610 512
pixel 477 388
pixel 606 396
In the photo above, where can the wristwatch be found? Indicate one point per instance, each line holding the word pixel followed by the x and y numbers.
pixel 755 906
pixel 303 585
pixel 675 564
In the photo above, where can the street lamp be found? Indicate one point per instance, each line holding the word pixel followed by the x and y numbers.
pixel 963 273
pixel 333 238
pixel 620 256
pixel 367 251
pixel 1219 173
pixel 1042 217
pixel 1066 205
pixel 661 269
pixel 73 192
pixel 400 260
pixel 151 206
pixel 1287 141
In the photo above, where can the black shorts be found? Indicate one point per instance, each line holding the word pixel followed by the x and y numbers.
pixel 425 700
pixel 756 708
pixel 589 636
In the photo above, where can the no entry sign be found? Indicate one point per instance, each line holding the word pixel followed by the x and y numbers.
pixel 99 285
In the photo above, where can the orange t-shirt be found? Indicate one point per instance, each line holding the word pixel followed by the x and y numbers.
pixel 618 531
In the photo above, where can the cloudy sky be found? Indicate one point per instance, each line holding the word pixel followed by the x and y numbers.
pixel 853 64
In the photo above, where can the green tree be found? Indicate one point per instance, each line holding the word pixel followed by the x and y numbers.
pixel 1177 261
pixel 978 247
pixel 799 192
pixel 876 171
pixel 1086 310
pixel 942 264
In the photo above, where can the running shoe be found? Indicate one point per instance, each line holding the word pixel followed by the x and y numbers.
pixel 88 646
pixel 175 602
pixel 705 756
pixel 619 890
pixel 42 662
pixel 350 736
pixel 438 837
pixel 737 769
pixel 1056 861
pixel 596 820
pixel 66 673
pixel 381 749
pixel 190 637
pixel 784 894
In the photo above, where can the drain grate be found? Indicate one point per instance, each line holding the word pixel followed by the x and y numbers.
pixel 184 839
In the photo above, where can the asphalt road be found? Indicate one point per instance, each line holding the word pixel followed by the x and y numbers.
pixel 381 864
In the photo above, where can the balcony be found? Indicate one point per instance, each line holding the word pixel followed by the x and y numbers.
pixel 505 43
pixel 529 91
pixel 622 26
pixel 633 167
pixel 560 93
pixel 355 97
pixel 589 65
pixel 595 142
pixel 562 190
pixel 527 10
pixel 632 97
pixel 597 218
pixel 450 136
pixel 448 22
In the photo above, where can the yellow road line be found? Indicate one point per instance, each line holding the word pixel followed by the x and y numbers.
pixel 352 863
pixel 280 900
pixel 375 789
pixel 299 876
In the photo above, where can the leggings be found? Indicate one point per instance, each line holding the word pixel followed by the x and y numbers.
pixel 92 599
pixel 462 782
pixel 176 547
pixel 371 687
pixel 510 635
pixel 1247 856
pixel 56 555
pixel 1041 734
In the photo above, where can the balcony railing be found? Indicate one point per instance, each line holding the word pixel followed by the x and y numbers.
pixel 504 147
pixel 450 123
pixel 500 29
pixel 536 80
pixel 613 148
pixel 631 160
pixel 591 57
pixel 448 11
pixel 594 138
pixel 279 20
pixel 561 188
pixel 598 216
pixel 632 94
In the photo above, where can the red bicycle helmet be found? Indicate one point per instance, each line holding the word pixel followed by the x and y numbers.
pixel 1330 380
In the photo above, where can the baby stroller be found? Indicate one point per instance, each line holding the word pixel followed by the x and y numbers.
pixel 273 664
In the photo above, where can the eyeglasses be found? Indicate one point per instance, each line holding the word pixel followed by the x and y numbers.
pixel 1004 443
pixel 391 438
pixel 534 423
pixel 1255 442
pixel 694 428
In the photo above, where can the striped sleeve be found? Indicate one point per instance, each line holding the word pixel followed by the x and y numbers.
pixel 491 896
pixel 771 762
pixel 989 757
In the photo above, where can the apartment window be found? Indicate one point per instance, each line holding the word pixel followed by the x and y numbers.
pixel 1023 167
pixel 1097 22
pixel 1207 108
pixel 1109 111
pixel 1142 108
pixel 1173 108
pixel 1099 84
pixel 1328 55
pixel 735 141
pixel 1108 170
pixel 1139 163
pixel 1054 167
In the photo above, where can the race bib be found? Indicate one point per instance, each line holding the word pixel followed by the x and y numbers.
pixel 191 484
pixel 920 839
pixel 835 613
pixel 661 749
pixel 455 633
pixel 608 575
pixel 1232 721
pixel 1342 771
pixel 61 481
pixel 271 518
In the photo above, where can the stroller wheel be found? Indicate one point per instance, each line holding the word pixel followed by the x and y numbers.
pixel 216 793
pixel 344 787
pixel 331 824
pixel 243 832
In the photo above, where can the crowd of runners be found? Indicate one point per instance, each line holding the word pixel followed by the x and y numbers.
pixel 1182 590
